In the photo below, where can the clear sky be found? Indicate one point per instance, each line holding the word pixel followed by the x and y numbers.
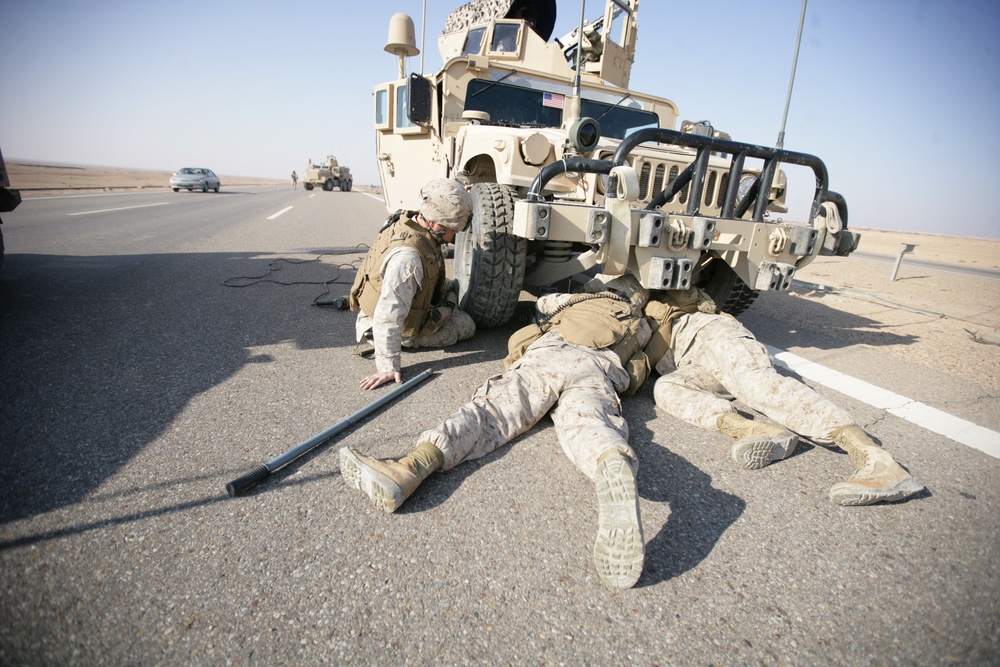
pixel 901 99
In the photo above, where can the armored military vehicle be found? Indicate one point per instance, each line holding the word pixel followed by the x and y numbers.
pixel 328 176
pixel 571 171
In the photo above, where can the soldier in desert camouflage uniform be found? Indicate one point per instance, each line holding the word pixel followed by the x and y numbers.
pixel 584 350
pixel 401 293
pixel 706 359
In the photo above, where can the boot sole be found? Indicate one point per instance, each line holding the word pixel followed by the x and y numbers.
pixel 619 550
pixel 856 496
pixel 384 493
pixel 757 453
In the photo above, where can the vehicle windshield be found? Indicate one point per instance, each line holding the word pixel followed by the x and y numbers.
pixel 189 170
pixel 516 106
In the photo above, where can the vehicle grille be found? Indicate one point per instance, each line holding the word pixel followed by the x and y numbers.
pixel 654 176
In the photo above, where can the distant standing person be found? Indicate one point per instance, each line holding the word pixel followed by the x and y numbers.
pixel 401 294
pixel 295 180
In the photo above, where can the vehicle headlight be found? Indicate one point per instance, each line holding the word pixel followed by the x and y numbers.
pixel 602 183
pixel 745 184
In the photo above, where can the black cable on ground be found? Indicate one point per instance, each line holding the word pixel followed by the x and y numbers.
pixel 339 303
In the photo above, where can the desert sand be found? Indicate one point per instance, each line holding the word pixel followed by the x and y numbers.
pixel 969 251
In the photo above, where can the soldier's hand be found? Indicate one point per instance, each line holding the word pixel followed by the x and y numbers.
pixel 379 379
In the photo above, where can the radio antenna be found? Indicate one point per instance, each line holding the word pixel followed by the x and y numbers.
pixel 579 49
pixel 791 81
pixel 423 34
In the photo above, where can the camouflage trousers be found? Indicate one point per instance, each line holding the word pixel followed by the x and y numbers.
pixel 724 361
pixel 570 380
pixel 458 327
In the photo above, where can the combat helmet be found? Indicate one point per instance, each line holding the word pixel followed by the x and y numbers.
pixel 447 203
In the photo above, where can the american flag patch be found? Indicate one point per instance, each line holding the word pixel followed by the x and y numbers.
pixel 552 100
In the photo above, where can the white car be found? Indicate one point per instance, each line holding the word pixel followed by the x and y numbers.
pixel 195 178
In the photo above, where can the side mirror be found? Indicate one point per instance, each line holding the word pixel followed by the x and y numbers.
pixel 419 103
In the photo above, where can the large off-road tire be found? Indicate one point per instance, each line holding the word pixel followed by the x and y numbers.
pixel 328 184
pixel 489 259
pixel 307 186
pixel 730 294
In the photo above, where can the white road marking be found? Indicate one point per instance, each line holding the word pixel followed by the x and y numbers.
pixel 915 412
pixel 123 208
pixel 284 210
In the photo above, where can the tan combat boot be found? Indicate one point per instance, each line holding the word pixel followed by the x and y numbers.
pixel 877 477
pixel 758 445
pixel 619 550
pixel 388 483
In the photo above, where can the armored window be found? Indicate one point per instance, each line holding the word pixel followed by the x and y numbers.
pixel 617 122
pixel 382 108
pixel 474 42
pixel 513 105
pixel 402 102
pixel 505 38
pixel 615 32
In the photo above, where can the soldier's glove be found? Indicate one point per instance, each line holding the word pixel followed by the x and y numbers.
pixel 637 368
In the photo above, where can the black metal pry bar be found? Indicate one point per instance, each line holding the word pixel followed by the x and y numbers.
pixel 261 472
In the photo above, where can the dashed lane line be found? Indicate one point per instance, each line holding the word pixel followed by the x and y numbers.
pixel 123 208
pixel 281 212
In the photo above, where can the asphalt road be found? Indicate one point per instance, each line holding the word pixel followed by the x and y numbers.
pixel 156 346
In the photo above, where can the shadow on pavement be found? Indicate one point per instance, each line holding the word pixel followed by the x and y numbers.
pixel 699 513
pixel 817 325
pixel 102 353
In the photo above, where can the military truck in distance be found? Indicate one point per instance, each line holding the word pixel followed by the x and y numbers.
pixel 328 176
pixel 571 171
